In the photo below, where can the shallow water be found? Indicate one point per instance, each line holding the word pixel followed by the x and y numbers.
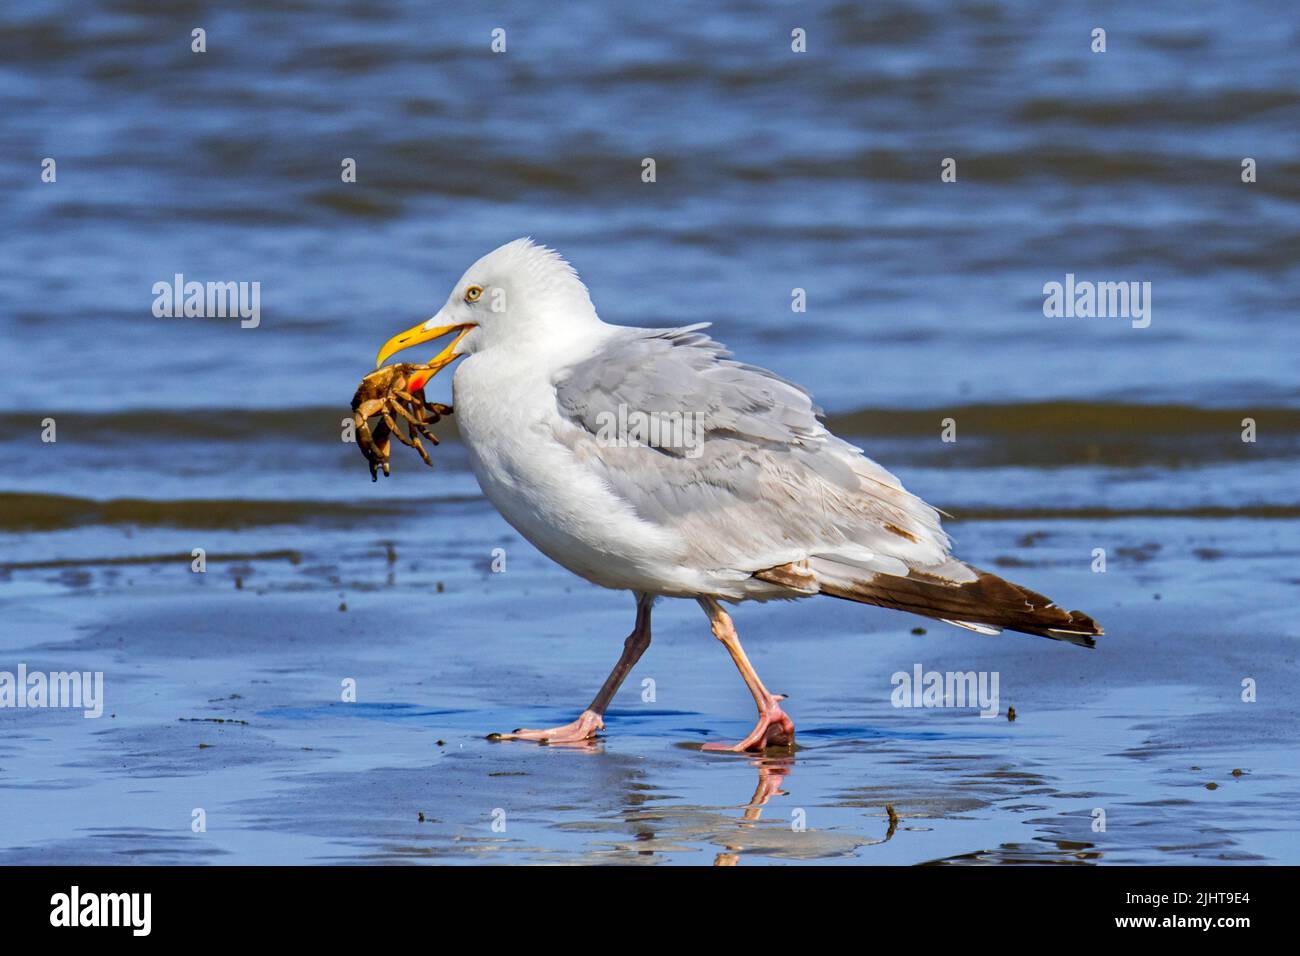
pixel 775 172
pixel 228 700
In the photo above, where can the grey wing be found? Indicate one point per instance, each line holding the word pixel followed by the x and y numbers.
pixel 739 463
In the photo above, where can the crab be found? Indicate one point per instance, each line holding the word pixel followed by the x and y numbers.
pixel 391 393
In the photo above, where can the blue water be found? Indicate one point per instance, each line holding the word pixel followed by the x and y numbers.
pixel 776 170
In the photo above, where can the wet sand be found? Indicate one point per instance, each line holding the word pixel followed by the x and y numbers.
pixel 228 699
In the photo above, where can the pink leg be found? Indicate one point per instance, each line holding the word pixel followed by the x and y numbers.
pixel 593 718
pixel 774 728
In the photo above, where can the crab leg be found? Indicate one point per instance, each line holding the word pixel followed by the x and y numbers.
pixel 415 443
pixel 415 423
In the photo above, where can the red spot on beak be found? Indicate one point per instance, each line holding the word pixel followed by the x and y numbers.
pixel 418 381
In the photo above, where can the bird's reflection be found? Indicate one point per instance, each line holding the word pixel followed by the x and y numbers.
pixel 772 772
pixel 657 825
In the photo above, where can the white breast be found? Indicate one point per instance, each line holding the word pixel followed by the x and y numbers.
pixel 506 412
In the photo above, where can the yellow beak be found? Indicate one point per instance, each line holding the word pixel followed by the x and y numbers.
pixel 418 334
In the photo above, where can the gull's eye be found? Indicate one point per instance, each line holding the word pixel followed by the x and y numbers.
pixel 474 293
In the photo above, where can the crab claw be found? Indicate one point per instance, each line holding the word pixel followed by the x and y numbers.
pixel 391 394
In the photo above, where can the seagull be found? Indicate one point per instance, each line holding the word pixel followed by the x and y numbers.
pixel 649 460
